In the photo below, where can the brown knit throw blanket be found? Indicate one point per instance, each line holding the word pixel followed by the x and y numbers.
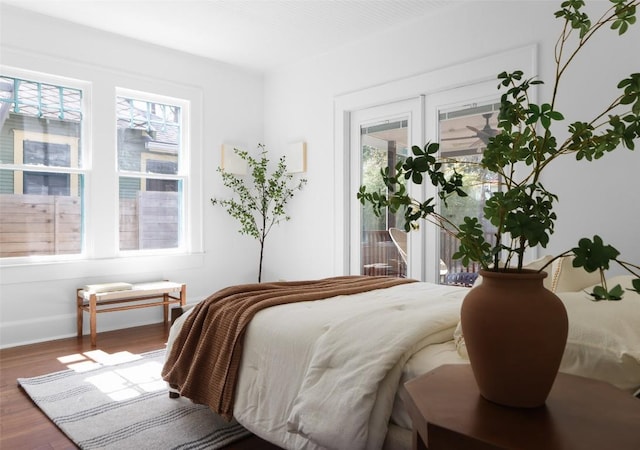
pixel 204 360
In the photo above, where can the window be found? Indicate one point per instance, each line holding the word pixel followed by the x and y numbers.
pixel 464 134
pixel 41 169
pixel 46 154
pixel 151 170
pixel 43 177
pixel 65 175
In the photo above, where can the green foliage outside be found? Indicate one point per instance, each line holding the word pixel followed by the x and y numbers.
pixel 372 159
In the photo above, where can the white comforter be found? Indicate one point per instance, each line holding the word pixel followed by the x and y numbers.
pixel 324 374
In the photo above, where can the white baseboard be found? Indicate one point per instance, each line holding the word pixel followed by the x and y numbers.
pixel 44 329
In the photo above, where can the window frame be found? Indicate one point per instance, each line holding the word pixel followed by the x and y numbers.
pixel 101 257
pixel 183 158
pixel 78 153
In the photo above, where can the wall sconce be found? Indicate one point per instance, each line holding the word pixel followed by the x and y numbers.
pixel 231 162
pixel 296 156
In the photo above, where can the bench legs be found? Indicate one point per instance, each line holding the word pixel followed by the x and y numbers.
pixel 165 309
pixel 79 301
pixel 92 315
pixel 92 319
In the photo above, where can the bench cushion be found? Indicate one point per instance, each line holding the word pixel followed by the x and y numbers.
pixel 107 287
pixel 136 290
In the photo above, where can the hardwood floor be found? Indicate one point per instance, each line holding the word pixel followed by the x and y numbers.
pixel 24 426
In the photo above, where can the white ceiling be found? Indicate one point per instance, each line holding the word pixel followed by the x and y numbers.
pixel 258 34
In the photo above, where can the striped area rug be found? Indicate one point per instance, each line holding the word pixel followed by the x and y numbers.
pixel 119 401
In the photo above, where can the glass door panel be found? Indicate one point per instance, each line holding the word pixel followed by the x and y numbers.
pixel 380 138
pixel 382 146
pixel 462 120
pixel 464 133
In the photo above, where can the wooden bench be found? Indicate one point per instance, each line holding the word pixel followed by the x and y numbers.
pixel 141 295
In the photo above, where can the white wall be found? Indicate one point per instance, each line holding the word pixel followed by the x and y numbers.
pixel 38 303
pixel 597 198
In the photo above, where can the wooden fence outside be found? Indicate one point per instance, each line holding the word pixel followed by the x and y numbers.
pixel 158 219
pixel 52 225
pixel 39 225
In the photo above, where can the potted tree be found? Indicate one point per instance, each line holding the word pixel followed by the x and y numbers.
pixel 260 201
pixel 522 212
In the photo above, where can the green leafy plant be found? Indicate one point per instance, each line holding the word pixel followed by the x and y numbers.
pixel 260 198
pixel 522 211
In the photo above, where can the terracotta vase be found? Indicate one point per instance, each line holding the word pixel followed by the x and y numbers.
pixel 515 332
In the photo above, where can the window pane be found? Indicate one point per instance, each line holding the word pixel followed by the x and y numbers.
pixel 46 223
pixel 42 183
pixel 150 219
pixel 146 129
pixel 43 100
pixel 463 136
pixel 42 210
pixel 381 146
pixel 46 154
pixel 149 139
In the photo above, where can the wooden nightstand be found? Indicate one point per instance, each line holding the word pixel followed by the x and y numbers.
pixel 448 413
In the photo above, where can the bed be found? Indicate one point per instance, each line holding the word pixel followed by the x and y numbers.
pixel 326 373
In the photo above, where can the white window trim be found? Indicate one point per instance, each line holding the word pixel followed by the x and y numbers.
pixel 184 168
pixel 85 133
pixel 96 262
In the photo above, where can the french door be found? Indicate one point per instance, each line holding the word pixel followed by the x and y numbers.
pixel 461 120
pixel 381 137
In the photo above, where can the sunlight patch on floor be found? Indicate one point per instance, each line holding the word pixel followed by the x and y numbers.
pixel 71 358
pixel 96 358
pixel 84 366
pixel 119 383
pixel 124 384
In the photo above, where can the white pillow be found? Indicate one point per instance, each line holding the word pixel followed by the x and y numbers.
pixel 604 337
pixel 567 278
